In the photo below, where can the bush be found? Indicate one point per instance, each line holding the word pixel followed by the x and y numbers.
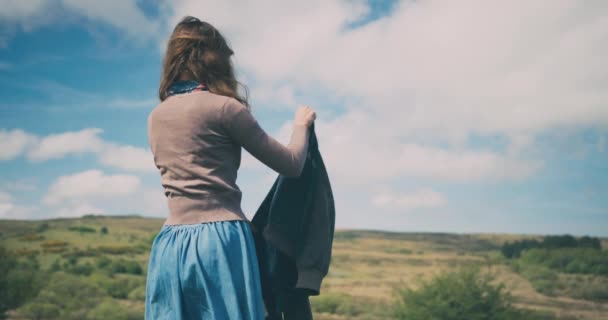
pixel 138 293
pixel 464 294
pixel 118 288
pixel 82 229
pixel 42 227
pixel 126 266
pixel 542 279
pixel 31 237
pixel 103 230
pixel 108 309
pixel 569 260
pixel 346 305
pixel 117 249
pixel 81 269
pixel 515 249
pixel 20 280
pixel 53 244
pixel 71 295
pixel 103 262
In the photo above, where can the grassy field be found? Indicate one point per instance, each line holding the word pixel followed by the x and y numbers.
pixel 366 265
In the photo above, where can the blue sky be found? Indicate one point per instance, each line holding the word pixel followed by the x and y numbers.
pixel 485 116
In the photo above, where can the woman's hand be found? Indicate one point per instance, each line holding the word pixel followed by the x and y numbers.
pixel 305 115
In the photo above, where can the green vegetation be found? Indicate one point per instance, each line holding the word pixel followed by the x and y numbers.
pixel 569 260
pixel 514 249
pixel 82 229
pixel 465 294
pixel 562 266
pixel 19 280
pixel 49 271
pixel 347 305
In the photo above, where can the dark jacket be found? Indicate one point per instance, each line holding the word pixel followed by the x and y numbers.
pixel 293 231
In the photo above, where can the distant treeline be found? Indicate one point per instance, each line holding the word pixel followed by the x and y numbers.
pixel 514 249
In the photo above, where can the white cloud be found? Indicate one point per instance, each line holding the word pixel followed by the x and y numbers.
pixel 360 155
pixel 10 209
pixel 90 184
pixel 23 9
pixel 124 15
pixel 76 209
pixel 58 145
pixel 142 200
pixel 127 158
pixel 437 67
pixel 279 96
pixel 25 184
pixel 6 204
pixel 85 141
pixel 421 198
pixel 13 143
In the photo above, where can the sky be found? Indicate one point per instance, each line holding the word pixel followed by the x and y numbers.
pixel 470 116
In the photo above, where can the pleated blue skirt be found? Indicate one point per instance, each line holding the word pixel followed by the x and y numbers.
pixel 204 271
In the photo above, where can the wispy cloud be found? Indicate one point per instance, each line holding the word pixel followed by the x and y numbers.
pixel 90 184
pixel 402 202
pixel 59 145
pixel 125 16
pixel 17 142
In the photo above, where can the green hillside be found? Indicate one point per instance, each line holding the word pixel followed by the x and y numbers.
pixel 99 264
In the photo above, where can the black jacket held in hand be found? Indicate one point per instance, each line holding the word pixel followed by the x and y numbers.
pixel 293 231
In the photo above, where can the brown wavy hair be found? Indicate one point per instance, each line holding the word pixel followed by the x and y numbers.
pixel 198 51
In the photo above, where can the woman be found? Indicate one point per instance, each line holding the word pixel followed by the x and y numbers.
pixel 203 263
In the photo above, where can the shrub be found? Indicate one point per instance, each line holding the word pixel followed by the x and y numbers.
pixel 108 309
pixel 118 288
pixel 344 304
pixel 542 279
pixel 138 293
pixel 103 262
pixel 569 260
pixel 55 266
pixel 20 280
pixel 26 252
pixel 464 294
pixel 31 237
pixel 103 230
pixel 126 266
pixel 81 269
pixel 515 249
pixel 53 244
pixel 42 227
pixel 82 229
pixel 72 295
pixel 116 249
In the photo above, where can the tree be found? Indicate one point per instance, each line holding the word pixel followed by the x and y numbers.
pixel 104 230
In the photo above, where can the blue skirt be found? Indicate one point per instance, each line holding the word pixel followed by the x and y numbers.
pixel 204 271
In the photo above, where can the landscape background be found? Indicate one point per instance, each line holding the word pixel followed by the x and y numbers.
pixel 94 268
pixel 449 127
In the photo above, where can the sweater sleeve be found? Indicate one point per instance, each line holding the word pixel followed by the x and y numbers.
pixel 242 126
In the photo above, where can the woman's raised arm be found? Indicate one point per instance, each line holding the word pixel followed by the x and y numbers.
pixel 288 160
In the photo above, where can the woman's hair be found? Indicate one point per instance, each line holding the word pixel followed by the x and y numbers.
pixel 198 50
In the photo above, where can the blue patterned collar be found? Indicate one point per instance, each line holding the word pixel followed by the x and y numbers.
pixel 185 86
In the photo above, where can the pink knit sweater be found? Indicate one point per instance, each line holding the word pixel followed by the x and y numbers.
pixel 196 140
